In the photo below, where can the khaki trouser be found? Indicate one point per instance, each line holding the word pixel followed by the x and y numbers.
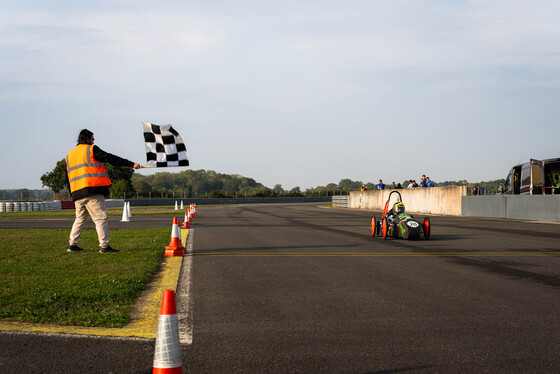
pixel 95 206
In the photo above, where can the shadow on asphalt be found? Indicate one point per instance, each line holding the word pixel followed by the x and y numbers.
pixel 403 370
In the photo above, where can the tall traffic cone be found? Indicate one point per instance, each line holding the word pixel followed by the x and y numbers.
pixel 128 209
pixel 176 207
pixel 182 205
pixel 187 220
pixel 125 216
pixel 167 355
pixel 175 248
pixel 194 210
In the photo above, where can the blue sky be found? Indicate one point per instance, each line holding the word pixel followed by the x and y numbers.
pixel 298 93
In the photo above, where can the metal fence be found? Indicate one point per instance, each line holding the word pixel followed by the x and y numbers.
pixel 28 206
pixel 341 201
pixel 231 200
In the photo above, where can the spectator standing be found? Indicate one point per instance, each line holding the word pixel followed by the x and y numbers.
pixel 429 183
pixel 380 186
pixel 89 184
pixel 423 181
pixel 414 184
pixel 410 184
pixel 393 186
pixel 364 187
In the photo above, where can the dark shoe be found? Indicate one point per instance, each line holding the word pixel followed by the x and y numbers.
pixel 108 249
pixel 75 248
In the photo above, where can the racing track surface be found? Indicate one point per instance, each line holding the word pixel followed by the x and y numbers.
pixel 300 288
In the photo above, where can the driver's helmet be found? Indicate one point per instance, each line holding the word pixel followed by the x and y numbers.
pixel 398 208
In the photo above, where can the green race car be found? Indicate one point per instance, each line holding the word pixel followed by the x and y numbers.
pixel 395 223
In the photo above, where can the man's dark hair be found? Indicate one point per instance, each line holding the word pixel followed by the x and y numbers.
pixel 84 136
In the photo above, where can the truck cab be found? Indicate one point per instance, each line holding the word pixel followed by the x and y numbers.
pixel 535 177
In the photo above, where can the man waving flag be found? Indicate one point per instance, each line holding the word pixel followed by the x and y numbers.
pixel 164 146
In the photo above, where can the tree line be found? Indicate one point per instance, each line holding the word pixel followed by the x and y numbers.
pixel 25 194
pixel 208 183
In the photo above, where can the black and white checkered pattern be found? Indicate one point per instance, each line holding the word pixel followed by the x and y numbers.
pixel 164 146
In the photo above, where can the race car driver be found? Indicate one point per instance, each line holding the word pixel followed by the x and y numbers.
pixel 398 208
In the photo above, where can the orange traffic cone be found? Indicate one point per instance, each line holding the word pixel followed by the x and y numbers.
pixel 167 356
pixel 187 219
pixel 175 248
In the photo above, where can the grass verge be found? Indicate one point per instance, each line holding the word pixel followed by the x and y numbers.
pixel 42 283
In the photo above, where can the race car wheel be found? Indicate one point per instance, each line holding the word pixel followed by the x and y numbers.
pixel 405 231
pixel 426 227
pixel 384 228
pixel 373 226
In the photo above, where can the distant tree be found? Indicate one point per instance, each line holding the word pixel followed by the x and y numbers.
pixel 120 189
pixel 295 192
pixel 141 185
pixel 349 185
pixel 258 192
pixel 56 178
pixel 118 173
pixel 163 181
pixel 345 184
pixel 454 183
pixel 121 181
pixel 22 193
pixel 230 185
pixel 216 194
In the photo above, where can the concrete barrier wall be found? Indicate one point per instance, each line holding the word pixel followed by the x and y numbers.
pixel 452 200
pixel 484 206
pixel 434 200
pixel 530 207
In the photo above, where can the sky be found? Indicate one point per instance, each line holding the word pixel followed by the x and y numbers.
pixel 298 93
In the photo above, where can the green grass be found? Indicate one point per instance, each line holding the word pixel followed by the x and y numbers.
pixel 42 283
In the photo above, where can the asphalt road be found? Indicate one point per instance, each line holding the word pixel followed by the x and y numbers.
pixel 300 288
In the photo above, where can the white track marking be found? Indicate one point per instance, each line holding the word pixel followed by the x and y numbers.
pixel 184 295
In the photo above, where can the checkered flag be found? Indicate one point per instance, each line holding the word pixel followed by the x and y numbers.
pixel 164 146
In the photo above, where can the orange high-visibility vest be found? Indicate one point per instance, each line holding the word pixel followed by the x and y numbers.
pixel 84 170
